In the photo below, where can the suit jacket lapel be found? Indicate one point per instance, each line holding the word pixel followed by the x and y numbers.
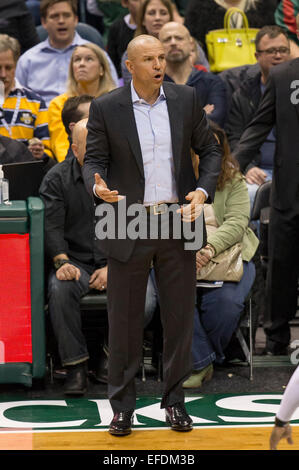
pixel 127 119
pixel 175 113
pixel 130 129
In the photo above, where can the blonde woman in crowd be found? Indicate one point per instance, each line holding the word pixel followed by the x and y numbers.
pixel 89 73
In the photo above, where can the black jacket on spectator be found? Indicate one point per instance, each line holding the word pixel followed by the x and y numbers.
pixel 211 90
pixel 118 38
pixel 13 151
pixel 205 15
pixel 232 79
pixel 69 216
pixel 17 21
pixel 244 103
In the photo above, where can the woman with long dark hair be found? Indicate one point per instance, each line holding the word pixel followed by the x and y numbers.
pixel 220 308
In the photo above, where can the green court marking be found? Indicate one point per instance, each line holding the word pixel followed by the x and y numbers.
pixel 95 414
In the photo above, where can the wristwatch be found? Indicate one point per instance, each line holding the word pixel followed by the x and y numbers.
pixel 280 424
pixel 60 262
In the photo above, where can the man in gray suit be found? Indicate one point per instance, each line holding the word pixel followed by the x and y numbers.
pixel 138 151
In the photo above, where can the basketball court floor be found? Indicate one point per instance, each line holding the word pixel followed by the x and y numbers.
pixel 230 413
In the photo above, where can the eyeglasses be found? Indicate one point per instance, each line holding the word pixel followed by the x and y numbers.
pixel 275 50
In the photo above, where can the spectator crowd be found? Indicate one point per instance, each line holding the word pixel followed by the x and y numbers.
pixel 57 56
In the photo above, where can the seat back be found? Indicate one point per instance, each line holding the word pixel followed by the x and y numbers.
pixel 261 212
pixel 262 200
pixel 94 300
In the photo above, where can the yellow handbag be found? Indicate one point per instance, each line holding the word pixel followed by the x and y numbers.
pixel 231 47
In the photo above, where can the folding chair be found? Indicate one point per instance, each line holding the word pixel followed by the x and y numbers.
pixel 246 322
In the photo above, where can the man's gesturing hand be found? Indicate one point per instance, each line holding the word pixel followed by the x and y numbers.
pixel 191 211
pixel 103 192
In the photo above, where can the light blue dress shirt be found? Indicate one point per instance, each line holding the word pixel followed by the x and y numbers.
pixel 44 69
pixel 154 134
pixel 153 129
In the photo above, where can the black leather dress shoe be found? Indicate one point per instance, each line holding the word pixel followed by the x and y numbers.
pixel 177 418
pixel 122 423
pixel 76 379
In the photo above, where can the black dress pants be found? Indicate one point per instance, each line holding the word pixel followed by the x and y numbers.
pixel 175 271
pixel 282 277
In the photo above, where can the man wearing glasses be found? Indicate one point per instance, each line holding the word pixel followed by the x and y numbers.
pixel 279 107
pixel 272 48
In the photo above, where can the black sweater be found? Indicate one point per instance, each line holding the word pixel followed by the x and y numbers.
pixel 205 15
pixel 17 21
pixel 119 37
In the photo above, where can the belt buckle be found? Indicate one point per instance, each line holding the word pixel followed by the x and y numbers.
pixel 159 209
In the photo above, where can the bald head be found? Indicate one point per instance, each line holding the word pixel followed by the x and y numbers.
pixel 79 140
pixel 146 64
pixel 177 42
pixel 137 44
pixel 174 26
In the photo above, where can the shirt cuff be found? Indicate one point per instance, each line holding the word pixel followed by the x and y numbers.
pixel 204 191
pixel 94 191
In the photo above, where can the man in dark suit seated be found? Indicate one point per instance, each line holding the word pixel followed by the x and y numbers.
pixel 138 152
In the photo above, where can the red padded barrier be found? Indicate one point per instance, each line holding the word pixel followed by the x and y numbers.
pixel 15 299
